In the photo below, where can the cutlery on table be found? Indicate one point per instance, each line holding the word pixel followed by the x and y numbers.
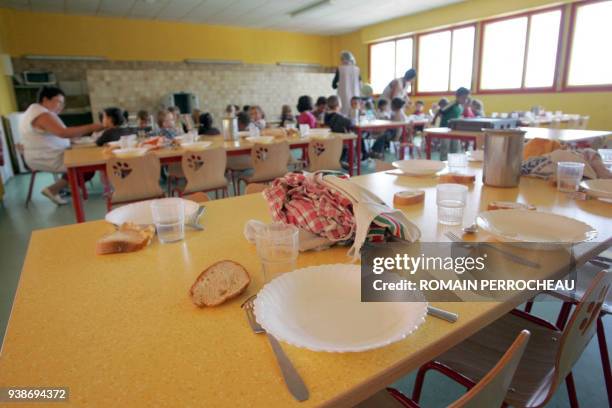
pixel 515 258
pixel 294 382
pixel 195 223
pixel 442 314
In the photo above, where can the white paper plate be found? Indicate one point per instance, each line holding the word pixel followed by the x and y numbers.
pixel 419 167
pixel 320 308
pixel 195 146
pixel 319 132
pixel 130 152
pixel 82 140
pixel 116 143
pixel 476 155
pixel 260 139
pixel 534 226
pixel 600 188
pixel 140 213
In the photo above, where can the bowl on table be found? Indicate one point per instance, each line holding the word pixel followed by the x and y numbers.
pixel 419 167
pixel 195 146
pixel 130 152
pixel 139 213
pixel 260 139
pixel 598 188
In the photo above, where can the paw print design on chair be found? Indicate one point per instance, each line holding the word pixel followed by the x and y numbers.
pixel 319 148
pixel 121 169
pixel 593 310
pixel 261 153
pixel 195 162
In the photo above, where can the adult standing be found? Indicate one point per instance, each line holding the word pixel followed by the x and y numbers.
pixel 45 138
pixel 347 81
pixel 399 87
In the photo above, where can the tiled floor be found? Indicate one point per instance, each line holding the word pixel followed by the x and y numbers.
pixel 17 222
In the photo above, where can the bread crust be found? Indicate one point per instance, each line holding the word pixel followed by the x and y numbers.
pixel 140 237
pixel 224 298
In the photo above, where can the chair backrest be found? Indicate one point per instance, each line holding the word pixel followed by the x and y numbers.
pixel 253 188
pixel 204 169
pixel 198 197
pixel 269 160
pixel 134 178
pixel 325 153
pixel 581 326
pixel 492 388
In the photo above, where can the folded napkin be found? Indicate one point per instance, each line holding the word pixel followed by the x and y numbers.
pixel 332 207
pixel 545 166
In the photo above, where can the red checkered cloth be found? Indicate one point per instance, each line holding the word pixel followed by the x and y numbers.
pixel 301 201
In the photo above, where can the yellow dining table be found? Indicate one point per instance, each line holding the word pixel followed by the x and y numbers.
pixel 83 160
pixel 121 331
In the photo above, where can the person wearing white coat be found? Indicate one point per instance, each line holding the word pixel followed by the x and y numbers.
pixel 347 81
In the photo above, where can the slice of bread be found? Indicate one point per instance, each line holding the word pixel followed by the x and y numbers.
pixel 127 238
pixel 219 282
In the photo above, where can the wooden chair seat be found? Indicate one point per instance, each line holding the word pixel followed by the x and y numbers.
pixel 533 377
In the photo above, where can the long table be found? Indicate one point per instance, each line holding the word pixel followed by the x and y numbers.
pixel 83 160
pixel 120 330
pixel 561 135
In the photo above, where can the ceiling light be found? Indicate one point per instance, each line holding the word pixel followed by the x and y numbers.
pixel 310 7
pixel 212 61
pixel 66 57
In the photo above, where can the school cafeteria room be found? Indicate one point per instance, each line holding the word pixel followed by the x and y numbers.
pixel 305 203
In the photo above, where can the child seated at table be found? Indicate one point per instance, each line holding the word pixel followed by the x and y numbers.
pixel 320 109
pixel 467 109
pixel 419 109
pixel 257 116
pixel 179 127
pixel 355 109
pixel 166 124
pixel 286 116
pixel 338 123
pixel 112 120
pixel 449 112
pixel 478 108
pixel 243 121
pixel 304 106
pixel 384 111
pixel 143 121
pixel 206 125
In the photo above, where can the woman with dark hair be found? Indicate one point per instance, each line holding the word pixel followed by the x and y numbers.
pixel 45 138
pixel 306 117
pixel 206 125
pixel 112 120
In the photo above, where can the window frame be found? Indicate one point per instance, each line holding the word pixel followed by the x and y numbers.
pixel 523 89
pixel 565 86
pixel 394 40
pixel 439 30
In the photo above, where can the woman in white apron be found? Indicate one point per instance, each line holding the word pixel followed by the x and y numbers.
pixel 347 81
pixel 398 88
pixel 45 138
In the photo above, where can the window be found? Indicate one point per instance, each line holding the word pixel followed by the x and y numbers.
pixel 589 62
pixel 520 52
pixel 389 60
pixel 445 60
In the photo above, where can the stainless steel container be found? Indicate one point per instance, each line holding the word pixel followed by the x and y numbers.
pixel 503 154
pixel 229 128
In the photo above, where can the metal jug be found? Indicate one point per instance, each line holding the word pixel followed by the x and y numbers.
pixel 503 154
pixel 229 128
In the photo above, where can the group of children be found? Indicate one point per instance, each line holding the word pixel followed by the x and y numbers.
pixel 325 112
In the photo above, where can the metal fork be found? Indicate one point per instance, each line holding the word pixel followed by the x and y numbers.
pixel 294 382
pixel 515 258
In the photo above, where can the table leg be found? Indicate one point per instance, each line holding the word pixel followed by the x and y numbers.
pixel 403 142
pixel 427 147
pixel 77 204
pixel 351 156
pixel 358 152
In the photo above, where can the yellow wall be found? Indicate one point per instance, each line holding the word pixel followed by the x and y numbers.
pixel 598 105
pixel 128 39
pixel 7 96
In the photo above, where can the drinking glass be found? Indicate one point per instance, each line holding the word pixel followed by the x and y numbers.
pixel 451 199
pixel 304 129
pixel 191 136
pixel 169 219
pixel 457 160
pixel 569 175
pixel 606 157
pixel 277 247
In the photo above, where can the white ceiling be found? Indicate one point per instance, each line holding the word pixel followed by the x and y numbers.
pixel 340 16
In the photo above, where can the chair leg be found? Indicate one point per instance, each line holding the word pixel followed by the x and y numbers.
pixel 605 357
pixel 29 197
pixel 564 314
pixel 571 391
pixel 441 368
pixel 418 384
pixel 529 306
